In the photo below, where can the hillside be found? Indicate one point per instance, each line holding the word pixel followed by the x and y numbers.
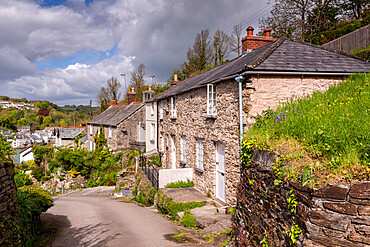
pixel 322 138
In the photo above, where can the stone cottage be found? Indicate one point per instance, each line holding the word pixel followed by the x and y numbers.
pixel 123 124
pixel 201 120
pixel 65 136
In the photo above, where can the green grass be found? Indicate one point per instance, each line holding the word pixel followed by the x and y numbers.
pixel 180 184
pixel 188 220
pixel 175 207
pixel 362 52
pixel 332 126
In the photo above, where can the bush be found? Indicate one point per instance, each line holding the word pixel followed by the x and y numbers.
pixel 188 220
pixel 38 173
pixel 32 203
pixel 143 191
pixel 21 179
pixel 163 202
pixel 180 184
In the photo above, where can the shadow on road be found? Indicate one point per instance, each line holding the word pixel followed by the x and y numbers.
pixel 92 235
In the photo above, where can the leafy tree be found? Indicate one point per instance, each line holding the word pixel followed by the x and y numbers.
pixel 199 56
pixel 42 105
pixel 223 46
pixel 355 8
pixel 5 149
pixel 137 81
pixel 42 154
pixel 108 93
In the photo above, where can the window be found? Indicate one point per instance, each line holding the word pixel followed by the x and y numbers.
pixel 211 101
pixel 91 145
pixel 152 109
pixel 152 132
pixel 200 154
pixel 183 149
pixel 173 107
pixel 161 110
pixel 140 132
pixel 91 129
pixel 110 132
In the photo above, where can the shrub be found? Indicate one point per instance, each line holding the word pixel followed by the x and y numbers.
pixel 188 220
pixel 32 202
pixel 180 184
pixel 38 173
pixel 21 179
pixel 163 202
pixel 143 191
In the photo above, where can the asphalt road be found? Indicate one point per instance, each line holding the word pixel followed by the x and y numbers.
pixel 88 218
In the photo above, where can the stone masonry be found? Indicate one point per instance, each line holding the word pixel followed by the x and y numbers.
pixel 333 215
pixel 122 141
pixel 259 93
pixel 8 201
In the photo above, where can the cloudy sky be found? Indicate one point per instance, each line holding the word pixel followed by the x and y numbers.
pixel 65 50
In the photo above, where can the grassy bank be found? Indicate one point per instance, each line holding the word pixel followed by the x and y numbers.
pixel 325 135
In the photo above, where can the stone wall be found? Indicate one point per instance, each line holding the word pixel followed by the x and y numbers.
pixel 121 141
pixel 334 215
pixel 192 122
pixel 8 202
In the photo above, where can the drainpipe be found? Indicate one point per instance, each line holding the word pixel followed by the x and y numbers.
pixel 157 134
pixel 240 79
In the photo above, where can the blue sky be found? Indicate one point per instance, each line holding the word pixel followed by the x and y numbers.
pixel 64 51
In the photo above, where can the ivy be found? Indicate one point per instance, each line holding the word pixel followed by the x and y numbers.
pixel 294 233
pixel 292 202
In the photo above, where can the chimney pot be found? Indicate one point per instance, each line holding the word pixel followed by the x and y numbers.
pixel 133 89
pixel 129 89
pixel 150 87
pixel 112 102
pixel 267 32
pixel 250 31
pixel 175 77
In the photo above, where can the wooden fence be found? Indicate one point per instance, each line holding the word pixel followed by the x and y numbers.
pixel 351 41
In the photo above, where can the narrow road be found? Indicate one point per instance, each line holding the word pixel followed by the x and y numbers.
pixel 87 218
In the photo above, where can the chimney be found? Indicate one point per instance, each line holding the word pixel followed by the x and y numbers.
pixel 267 32
pixel 175 80
pixel 112 102
pixel 147 95
pixel 131 95
pixel 251 42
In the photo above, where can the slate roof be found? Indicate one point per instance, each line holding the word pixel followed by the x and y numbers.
pixel 116 114
pixel 283 55
pixel 68 133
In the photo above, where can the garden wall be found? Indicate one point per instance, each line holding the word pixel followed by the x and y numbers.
pixel 8 202
pixel 334 215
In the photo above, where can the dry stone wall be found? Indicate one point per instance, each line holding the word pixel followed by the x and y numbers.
pixel 334 215
pixel 8 202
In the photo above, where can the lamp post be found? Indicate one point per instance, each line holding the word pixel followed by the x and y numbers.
pixel 124 76
pixel 152 76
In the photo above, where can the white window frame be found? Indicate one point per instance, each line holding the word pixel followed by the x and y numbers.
pixel 183 149
pixel 200 154
pixel 152 109
pixel 161 110
pixel 173 107
pixel 211 100
pixel 152 132
pixel 91 129
pixel 110 132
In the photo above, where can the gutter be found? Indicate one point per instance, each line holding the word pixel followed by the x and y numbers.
pixel 240 79
pixel 294 73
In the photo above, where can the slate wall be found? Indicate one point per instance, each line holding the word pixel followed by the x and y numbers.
pixel 334 215
pixel 8 202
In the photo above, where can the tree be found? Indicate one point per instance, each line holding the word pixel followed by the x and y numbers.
pixel 137 81
pixel 199 56
pixel 5 149
pixel 354 8
pixel 108 93
pixel 236 36
pixel 223 42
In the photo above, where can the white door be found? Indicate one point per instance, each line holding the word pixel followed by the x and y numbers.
pixel 220 173
pixel 173 152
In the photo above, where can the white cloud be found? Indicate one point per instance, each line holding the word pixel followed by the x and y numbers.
pixel 77 84
pixel 155 32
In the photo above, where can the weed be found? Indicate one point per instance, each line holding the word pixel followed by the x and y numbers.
pixel 188 220
pixel 180 184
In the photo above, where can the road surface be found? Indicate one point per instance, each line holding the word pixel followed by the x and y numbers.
pixel 88 218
